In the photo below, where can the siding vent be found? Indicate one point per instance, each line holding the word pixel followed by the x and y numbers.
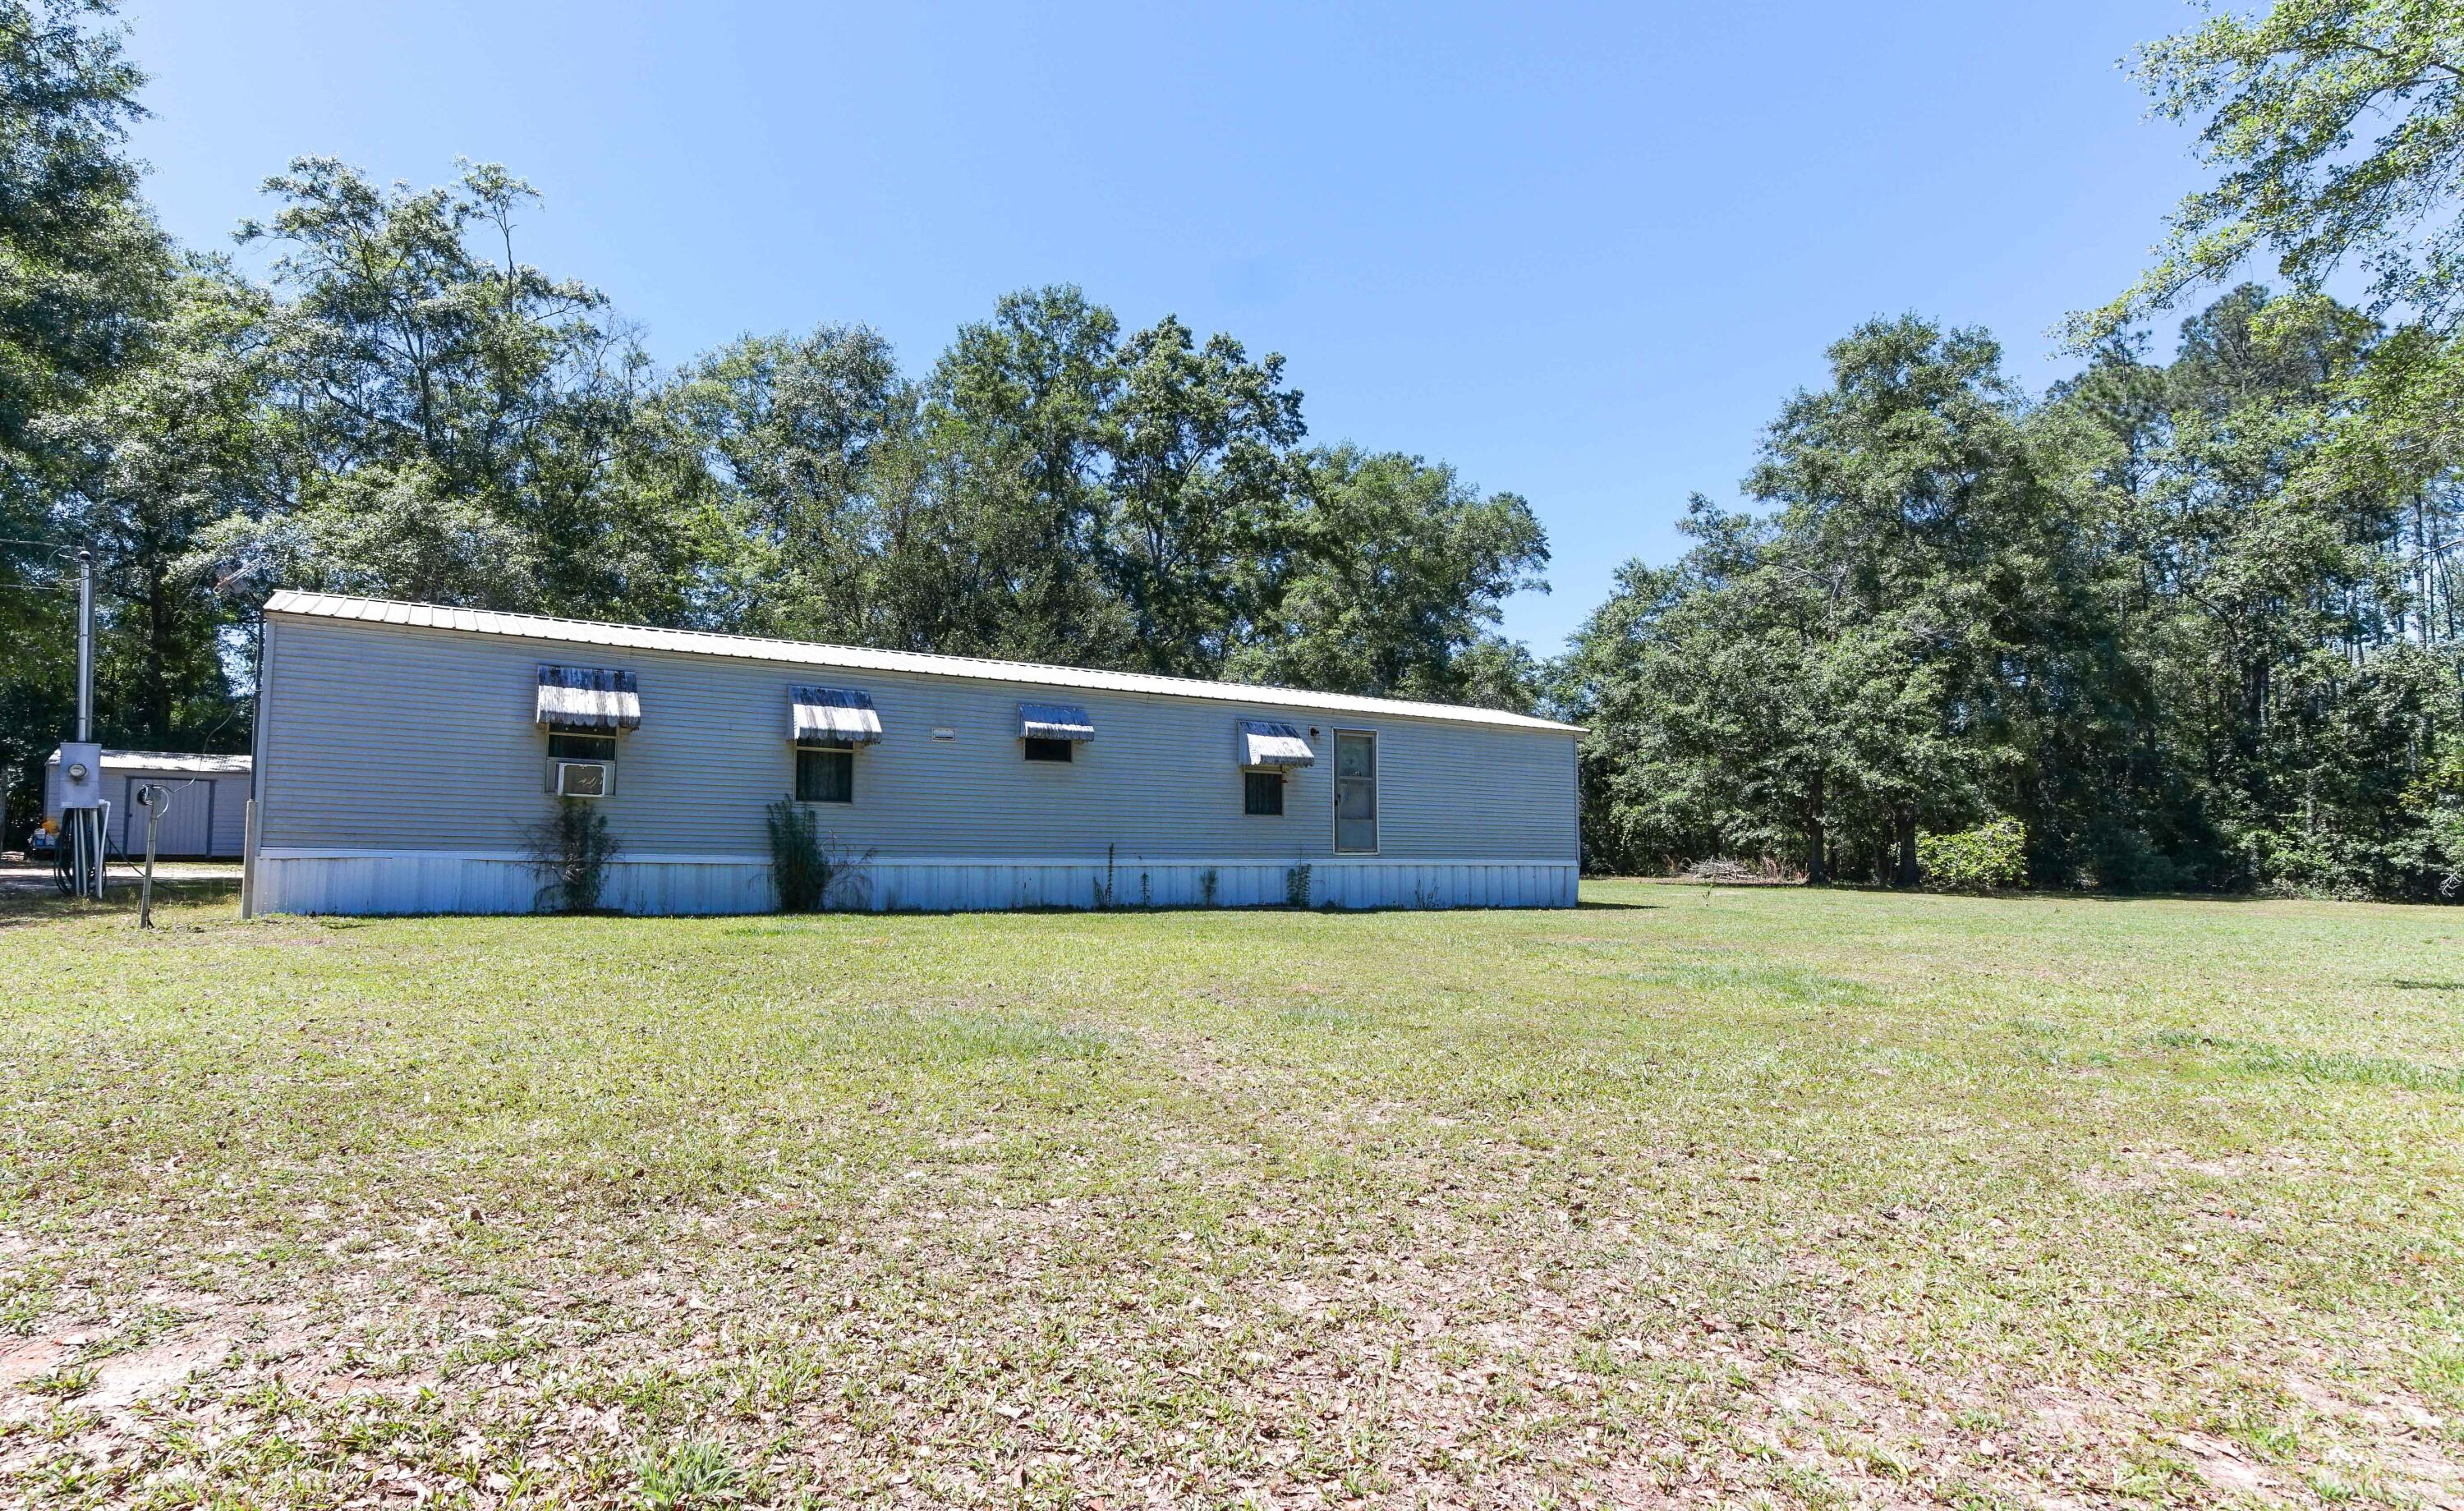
pixel 1053 721
pixel 1270 743
pixel 588 698
pixel 832 716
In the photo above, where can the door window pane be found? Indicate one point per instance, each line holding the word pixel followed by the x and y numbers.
pixel 1355 793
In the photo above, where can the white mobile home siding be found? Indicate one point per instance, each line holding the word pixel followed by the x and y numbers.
pixel 398 766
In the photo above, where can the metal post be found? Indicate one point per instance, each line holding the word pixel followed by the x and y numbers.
pixel 85 645
pixel 86 858
pixel 156 798
pixel 79 831
pixel 101 816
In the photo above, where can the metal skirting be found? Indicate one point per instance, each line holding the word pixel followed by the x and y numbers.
pixel 415 882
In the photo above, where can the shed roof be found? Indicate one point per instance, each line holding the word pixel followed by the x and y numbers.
pixel 794 652
pixel 182 761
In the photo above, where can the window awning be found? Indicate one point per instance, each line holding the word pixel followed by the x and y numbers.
pixel 588 698
pixel 1271 742
pixel 1053 721
pixel 832 716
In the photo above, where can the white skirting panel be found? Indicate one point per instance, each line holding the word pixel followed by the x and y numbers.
pixel 300 881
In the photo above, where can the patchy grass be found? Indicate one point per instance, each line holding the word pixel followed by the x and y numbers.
pixel 1749 1197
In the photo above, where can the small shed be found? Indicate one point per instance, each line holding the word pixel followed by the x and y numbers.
pixel 207 817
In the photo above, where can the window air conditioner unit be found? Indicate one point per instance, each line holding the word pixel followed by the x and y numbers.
pixel 583 778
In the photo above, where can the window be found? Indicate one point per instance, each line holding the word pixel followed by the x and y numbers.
pixel 562 746
pixel 1050 750
pixel 1262 792
pixel 1355 794
pixel 824 773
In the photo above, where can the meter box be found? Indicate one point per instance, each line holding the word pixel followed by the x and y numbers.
pixel 81 774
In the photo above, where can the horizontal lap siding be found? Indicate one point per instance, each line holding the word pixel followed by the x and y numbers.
pixel 211 810
pixel 230 816
pixel 392 738
pixel 227 806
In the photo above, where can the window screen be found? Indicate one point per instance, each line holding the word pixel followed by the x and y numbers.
pixel 562 746
pixel 823 775
pixel 1050 750
pixel 1355 794
pixel 1262 792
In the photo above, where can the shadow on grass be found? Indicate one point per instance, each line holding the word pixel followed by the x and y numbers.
pixel 1155 911
pixel 2017 894
pixel 18 908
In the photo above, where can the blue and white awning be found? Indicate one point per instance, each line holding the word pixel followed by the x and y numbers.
pixel 1273 744
pixel 832 716
pixel 1053 721
pixel 588 698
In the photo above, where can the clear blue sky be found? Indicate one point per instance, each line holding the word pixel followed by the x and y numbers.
pixel 1579 252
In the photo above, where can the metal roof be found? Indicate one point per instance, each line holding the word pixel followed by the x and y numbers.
pixel 588 698
pixel 795 652
pixel 170 760
pixel 1271 742
pixel 843 715
pixel 1054 721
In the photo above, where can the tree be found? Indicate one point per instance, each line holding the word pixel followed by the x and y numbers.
pixel 2336 128
pixel 790 426
pixel 1194 446
pixel 2283 610
pixel 1389 576
pixel 460 427
pixel 2281 101
pixel 82 272
pixel 1928 625
pixel 83 258
pixel 1909 498
pixel 1709 720
pixel 149 463
pixel 1013 427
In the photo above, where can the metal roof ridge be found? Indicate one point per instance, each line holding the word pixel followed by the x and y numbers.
pixel 484 621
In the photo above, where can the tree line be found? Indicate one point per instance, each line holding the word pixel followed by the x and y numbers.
pixel 2188 617
pixel 2192 620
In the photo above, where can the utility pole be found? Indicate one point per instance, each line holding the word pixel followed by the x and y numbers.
pixel 84 826
pixel 85 646
pixel 79 864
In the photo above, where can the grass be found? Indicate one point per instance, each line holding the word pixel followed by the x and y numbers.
pixel 1747 1196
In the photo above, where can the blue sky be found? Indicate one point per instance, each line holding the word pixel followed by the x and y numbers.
pixel 1581 252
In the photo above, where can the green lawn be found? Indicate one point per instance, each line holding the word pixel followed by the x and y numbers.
pixel 1738 1196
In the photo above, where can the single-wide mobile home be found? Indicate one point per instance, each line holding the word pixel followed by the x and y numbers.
pixel 405 752
pixel 205 814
